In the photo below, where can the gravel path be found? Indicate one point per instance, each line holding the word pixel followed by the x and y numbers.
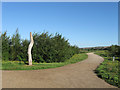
pixel 78 75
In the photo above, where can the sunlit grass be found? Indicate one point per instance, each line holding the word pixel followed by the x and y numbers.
pixel 16 65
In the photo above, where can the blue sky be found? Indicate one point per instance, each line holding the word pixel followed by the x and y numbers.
pixel 85 24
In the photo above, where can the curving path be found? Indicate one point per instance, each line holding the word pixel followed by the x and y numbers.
pixel 78 75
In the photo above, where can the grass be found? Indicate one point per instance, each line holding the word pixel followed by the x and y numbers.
pixel 108 70
pixel 16 65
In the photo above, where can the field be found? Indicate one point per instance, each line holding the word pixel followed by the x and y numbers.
pixel 109 70
pixel 16 65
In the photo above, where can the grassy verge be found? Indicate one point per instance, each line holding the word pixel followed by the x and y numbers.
pixel 108 70
pixel 15 65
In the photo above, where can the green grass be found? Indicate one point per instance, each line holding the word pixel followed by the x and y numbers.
pixel 16 65
pixel 108 70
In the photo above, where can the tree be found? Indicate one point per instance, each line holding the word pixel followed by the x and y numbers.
pixel 113 50
pixel 24 50
pixel 5 46
pixel 15 46
pixel 47 48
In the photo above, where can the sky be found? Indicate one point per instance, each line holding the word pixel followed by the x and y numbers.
pixel 85 24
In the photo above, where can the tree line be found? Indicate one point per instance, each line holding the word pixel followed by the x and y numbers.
pixel 47 48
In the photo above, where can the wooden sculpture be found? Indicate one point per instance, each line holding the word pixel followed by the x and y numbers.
pixel 29 49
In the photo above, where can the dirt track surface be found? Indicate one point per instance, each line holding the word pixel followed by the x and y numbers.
pixel 78 75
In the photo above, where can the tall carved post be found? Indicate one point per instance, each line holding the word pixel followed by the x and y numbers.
pixel 29 49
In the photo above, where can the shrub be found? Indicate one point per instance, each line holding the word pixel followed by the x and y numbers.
pixel 109 70
pixel 47 48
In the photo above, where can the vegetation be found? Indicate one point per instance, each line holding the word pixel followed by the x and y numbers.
pixel 47 48
pixel 92 49
pixel 114 50
pixel 109 69
pixel 17 65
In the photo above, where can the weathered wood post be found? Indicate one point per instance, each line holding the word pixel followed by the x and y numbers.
pixel 29 49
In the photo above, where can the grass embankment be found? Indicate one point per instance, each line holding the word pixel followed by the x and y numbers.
pixel 109 70
pixel 16 65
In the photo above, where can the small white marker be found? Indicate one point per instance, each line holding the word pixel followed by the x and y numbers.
pixel 113 59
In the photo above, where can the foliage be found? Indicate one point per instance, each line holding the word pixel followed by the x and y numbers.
pixel 5 46
pixel 16 65
pixel 93 49
pixel 15 47
pixel 114 50
pixel 103 53
pixel 109 70
pixel 47 48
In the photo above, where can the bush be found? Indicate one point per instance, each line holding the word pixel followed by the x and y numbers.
pixel 108 70
pixel 47 48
